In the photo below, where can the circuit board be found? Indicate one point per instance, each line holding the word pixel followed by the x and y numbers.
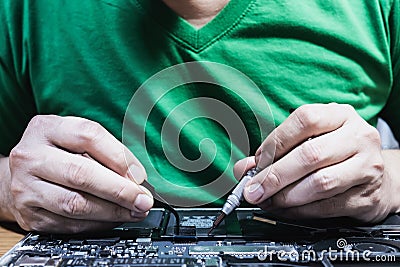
pixel 245 238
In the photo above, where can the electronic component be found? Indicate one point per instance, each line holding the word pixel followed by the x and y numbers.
pixel 246 238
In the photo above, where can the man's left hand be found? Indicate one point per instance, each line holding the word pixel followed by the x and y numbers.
pixel 327 162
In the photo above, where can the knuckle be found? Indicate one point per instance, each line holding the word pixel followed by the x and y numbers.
pixel 307 117
pixel 368 135
pixel 119 194
pixel 379 167
pixel 378 162
pixel 79 174
pixel 38 121
pixel 376 172
pixel 42 122
pixel 372 135
pixel 279 145
pixel 90 132
pixel 18 155
pixel 275 179
pixel 323 182
pixel 16 190
pixel 310 153
pixel 348 108
pixel 74 204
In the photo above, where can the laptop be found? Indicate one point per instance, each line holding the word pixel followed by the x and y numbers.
pixel 247 237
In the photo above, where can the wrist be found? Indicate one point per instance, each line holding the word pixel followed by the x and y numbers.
pixel 5 194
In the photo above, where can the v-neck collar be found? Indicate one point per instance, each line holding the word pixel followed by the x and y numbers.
pixel 185 33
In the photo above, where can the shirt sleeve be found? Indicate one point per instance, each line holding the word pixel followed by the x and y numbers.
pixel 17 105
pixel 391 112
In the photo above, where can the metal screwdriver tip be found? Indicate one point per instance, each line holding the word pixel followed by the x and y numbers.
pixel 217 222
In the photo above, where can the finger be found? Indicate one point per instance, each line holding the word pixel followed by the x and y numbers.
pixel 242 166
pixel 79 205
pixel 79 135
pixel 80 173
pixel 304 159
pixel 305 122
pixel 44 221
pixel 355 202
pixel 322 184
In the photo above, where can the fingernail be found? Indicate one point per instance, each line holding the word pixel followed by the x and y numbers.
pixel 143 202
pixel 254 192
pixel 133 213
pixel 136 173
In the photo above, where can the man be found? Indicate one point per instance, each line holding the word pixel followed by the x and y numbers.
pixel 68 70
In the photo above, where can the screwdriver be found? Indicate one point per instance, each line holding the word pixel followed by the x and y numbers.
pixel 234 199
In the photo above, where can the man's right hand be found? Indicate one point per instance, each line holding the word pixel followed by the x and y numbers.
pixel 70 175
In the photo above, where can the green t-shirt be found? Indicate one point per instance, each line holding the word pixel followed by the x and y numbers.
pixel 88 58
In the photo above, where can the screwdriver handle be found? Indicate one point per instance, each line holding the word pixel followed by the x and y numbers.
pixel 236 197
